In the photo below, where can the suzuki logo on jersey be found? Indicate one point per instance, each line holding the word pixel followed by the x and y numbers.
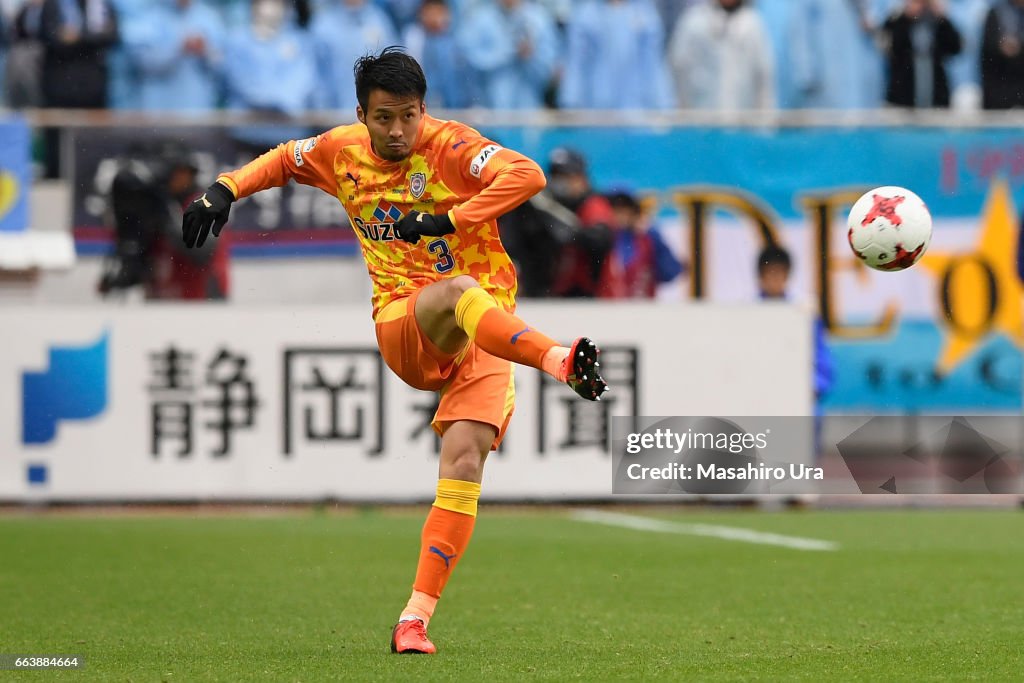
pixel 72 387
pixel 381 229
pixel 417 184
pixel 378 232
pixel 481 159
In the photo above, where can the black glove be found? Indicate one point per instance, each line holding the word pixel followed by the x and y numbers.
pixel 414 225
pixel 208 213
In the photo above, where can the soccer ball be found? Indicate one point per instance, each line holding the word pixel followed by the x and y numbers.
pixel 890 228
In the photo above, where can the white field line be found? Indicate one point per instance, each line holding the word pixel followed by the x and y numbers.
pixel 728 533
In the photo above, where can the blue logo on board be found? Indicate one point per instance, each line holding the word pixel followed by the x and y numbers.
pixel 72 387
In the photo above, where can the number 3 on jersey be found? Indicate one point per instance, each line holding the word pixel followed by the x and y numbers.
pixel 445 260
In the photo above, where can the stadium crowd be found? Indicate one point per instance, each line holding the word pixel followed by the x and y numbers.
pixel 291 56
pixel 288 57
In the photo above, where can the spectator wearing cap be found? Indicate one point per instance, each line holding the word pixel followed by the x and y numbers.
pixel 639 260
pixel 579 267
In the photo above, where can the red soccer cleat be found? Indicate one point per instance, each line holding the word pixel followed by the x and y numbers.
pixel 409 637
pixel 582 370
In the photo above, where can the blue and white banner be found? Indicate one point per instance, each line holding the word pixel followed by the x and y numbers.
pixel 15 174
pixel 205 402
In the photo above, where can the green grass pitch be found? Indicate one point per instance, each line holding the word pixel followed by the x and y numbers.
pixel 909 595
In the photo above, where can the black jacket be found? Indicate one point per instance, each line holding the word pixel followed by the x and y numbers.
pixel 1002 77
pixel 75 74
pixel 897 33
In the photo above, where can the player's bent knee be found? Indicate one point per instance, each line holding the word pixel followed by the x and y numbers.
pixel 464 448
pixel 454 289
pixel 461 283
pixel 467 465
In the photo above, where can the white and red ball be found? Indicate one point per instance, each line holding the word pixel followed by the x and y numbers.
pixel 890 228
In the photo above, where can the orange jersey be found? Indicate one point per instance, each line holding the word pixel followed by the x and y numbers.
pixel 452 169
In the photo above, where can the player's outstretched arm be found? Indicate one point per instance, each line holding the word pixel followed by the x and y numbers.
pixel 309 162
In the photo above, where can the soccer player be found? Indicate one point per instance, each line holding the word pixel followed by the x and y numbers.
pixel 423 196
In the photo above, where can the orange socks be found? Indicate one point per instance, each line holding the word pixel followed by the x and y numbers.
pixel 501 333
pixel 450 522
pixel 554 363
pixel 445 537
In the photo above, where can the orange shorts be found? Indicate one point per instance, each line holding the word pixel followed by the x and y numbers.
pixel 474 385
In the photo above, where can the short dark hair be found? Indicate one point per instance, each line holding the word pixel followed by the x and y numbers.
pixel 773 255
pixel 391 70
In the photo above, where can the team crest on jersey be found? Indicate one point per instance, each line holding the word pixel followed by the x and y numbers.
pixel 417 184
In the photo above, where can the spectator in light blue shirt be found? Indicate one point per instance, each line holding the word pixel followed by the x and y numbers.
pixel 344 31
pixel 123 87
pixel 775 15
pixel 511 46
pixel 177 54
pixel 431 42
pixel 833 60
pixel 403 13
pixel 269 68
pixel 232 12
pixel 964 74
pixel 615 57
